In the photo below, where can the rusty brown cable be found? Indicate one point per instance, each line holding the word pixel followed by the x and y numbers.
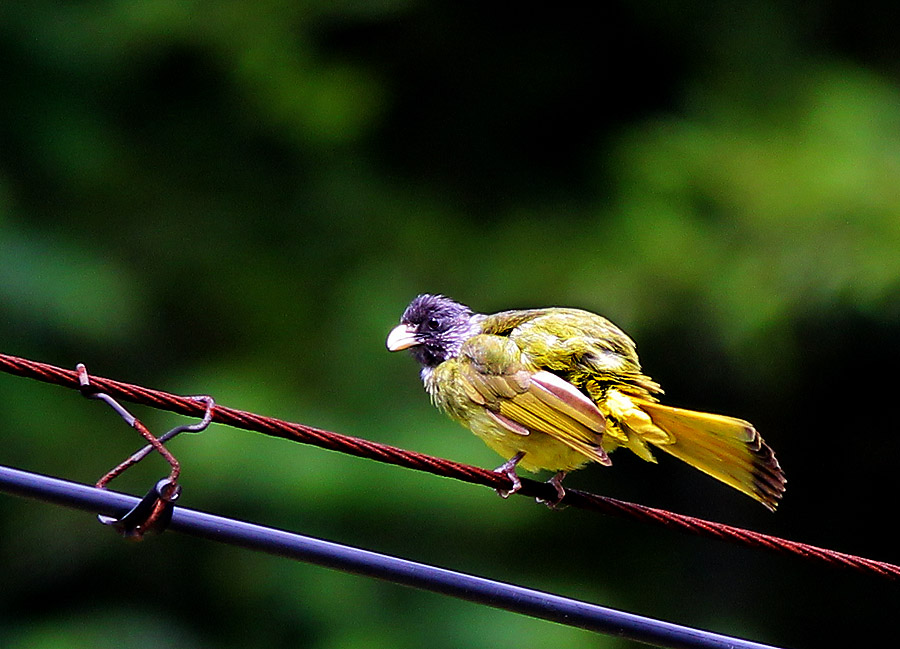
pixel 410 459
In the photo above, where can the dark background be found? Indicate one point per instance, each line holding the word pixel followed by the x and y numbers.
pixel 240 198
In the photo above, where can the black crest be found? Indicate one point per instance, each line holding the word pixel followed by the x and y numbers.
pixel 442 326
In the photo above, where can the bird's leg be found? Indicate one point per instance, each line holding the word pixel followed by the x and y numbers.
pixel 556 481
pixel 508 469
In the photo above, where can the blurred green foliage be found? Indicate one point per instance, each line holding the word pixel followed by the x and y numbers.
pixel 240 198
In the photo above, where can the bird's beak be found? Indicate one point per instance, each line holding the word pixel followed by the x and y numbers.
pixel 401 337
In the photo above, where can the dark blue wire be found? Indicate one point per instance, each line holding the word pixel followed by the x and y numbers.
pixel 372 564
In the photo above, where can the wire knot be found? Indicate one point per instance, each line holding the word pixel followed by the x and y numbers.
pixel 151 515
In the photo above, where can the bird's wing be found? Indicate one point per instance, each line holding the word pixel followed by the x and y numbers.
pixel 580 346
pixel 523 400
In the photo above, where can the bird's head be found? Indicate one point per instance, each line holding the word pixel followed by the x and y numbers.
pixel 433 328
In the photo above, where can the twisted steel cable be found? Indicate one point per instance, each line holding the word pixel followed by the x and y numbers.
pixel 410 459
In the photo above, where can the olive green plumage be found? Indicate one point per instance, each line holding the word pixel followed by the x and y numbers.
pixel 558 388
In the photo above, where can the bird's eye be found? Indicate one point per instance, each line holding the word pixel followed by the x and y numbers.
pixel 432 324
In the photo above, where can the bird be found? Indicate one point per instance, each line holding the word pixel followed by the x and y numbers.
pixel 558 388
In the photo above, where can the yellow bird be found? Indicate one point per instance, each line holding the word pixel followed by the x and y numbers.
pixel 554 389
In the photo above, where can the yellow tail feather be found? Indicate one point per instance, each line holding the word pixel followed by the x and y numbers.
pixel 726 448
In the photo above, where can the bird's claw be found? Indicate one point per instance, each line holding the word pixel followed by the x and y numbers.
pixel 517 484
pixel 508 469
pixel 556 481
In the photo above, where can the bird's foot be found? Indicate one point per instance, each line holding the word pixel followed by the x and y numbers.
pixel 508 469
pixel 556 481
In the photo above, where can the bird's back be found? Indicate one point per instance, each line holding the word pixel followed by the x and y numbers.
pixel 581 347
